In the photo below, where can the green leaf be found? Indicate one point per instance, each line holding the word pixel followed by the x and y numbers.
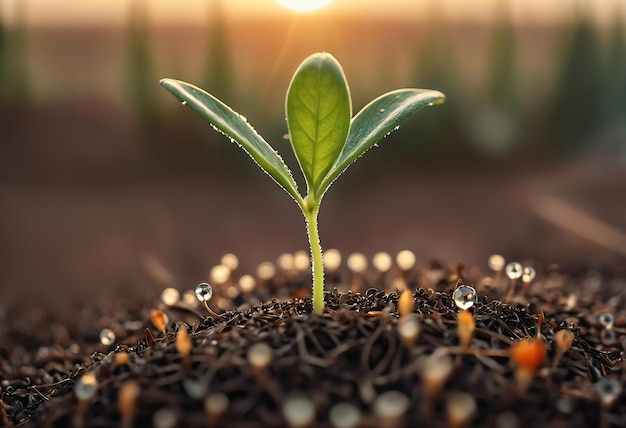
pixel 236 127
pixel 318 111
pixel 376 120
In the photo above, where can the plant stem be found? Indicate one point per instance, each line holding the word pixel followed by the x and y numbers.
pixel 317 262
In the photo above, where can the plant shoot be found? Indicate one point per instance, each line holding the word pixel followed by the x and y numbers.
pixel 324 136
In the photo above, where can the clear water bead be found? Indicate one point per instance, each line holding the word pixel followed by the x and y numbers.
pixel 391 405
pixel 107 337
pixel 357 262
pixel 344 415
pixel 204 292
pixel 164 418
pixel 608 390
pixel 607 320
pixel 332 259
pixel 220 274
pixel 528 274
pixel 496 262
pixel 298 411
pixel 514 270
pixel 405 259
pixel 170 296
pixel 465 297
pixel 86 386
pixel 382 261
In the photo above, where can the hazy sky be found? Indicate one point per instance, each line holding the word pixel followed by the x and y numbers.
pixel 115 11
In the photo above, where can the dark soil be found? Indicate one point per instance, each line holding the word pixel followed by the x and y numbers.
pixel 352 353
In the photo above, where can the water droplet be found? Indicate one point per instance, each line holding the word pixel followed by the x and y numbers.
pixel 184 103
pixel 194 389
pixel 301 260
pixel 496 262
pixel 107 337
pixel 465 297
pixel 230 260
pixel 607 320
pixel 382 261
pixel 460 408
pixel 285 262
pixel 266 271
pixel 608 390
pixel 219 274
pixel 189 297
pixel 170 296
pixel 344 415
pixel 514 270
pixel 86 386
pixel 357 262
pixel 204 292
pixel 391 405
pixel 528 274
pixel 260 355
pixel 216 403
pixel 298 410
pixel 164 418
pixel 332 259
pixel 405 259
pixel 247 283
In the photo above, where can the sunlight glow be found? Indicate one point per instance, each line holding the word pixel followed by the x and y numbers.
pixel 304 5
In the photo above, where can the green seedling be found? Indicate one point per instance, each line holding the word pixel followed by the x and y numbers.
pixel 324 136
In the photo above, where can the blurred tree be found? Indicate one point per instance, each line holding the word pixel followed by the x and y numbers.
pixel 220 75
pixel 142 84
pixel 614 111
pixel 495 123
pixel 439 129
pixel 575 112
pixel 15 82
pixel 3 57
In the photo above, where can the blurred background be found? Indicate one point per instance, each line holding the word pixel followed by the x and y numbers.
pixel 102 171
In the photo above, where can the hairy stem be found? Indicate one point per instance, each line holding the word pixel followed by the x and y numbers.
pixel 317 263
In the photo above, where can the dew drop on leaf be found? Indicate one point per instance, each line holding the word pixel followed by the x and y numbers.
pixel 204 292
pixel 464 297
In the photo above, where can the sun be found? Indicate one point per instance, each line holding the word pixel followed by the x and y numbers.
pixel 304 5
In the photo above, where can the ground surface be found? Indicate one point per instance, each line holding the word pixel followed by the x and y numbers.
pixel 354 354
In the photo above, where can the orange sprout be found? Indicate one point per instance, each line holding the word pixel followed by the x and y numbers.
pixel 465 327
pixel 406 303
pixel 159 319
pixel 528 356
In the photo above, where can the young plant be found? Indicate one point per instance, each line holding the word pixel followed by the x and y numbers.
pixel 324 136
